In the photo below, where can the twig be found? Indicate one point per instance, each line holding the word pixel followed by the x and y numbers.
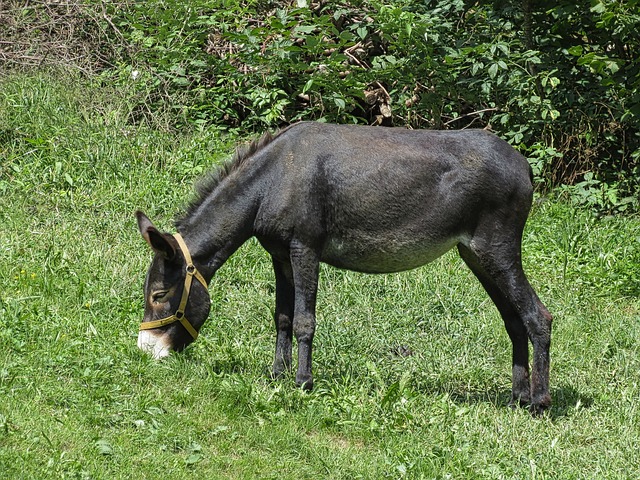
pixel 108 20
pixel 469 114
pixel 364 65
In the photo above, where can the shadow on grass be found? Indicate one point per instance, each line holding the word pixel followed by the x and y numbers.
pixel 566 399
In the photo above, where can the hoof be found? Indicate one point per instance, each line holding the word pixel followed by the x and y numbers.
pixel 305 384
pixel 538 408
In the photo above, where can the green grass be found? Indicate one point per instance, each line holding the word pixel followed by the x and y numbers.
pixel 78 400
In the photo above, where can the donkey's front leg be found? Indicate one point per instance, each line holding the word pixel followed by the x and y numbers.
pixel 305 265
pixel 283 317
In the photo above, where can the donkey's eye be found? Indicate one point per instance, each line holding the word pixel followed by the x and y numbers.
pixel 159 296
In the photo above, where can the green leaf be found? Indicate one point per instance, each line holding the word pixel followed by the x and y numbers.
pixel 408 29
pixel 182 81
pixel 193 458
pixel 576 50
pixel 346 36
pixel 104 447
pixel 493 70
pixel 305 29
pixel 587 58
pixel 612 65
pixel 391 396
pixel 307 86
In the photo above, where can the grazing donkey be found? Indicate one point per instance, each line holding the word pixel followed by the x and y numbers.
pixel 369 199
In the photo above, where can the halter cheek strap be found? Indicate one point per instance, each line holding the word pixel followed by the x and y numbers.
pixel 191 271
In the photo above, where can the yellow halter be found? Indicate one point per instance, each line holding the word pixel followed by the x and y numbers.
pixel 192 271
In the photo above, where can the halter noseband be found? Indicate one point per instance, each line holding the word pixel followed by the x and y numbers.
pixel 192 271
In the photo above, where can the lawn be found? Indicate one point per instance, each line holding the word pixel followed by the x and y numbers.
pixel 412 370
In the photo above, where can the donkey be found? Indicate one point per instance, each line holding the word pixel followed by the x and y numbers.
pixel 368 199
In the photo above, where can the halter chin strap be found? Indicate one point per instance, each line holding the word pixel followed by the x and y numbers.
pixel 192 271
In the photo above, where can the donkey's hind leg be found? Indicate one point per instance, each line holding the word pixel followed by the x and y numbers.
pixel 497 264
pixel 521 390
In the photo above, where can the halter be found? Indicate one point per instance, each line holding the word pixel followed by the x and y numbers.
pixel 192 271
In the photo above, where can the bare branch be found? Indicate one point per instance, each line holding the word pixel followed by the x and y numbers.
pixel 448 122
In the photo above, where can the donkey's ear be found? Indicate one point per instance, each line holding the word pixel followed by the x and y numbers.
pixel 143 222
pixel 161 243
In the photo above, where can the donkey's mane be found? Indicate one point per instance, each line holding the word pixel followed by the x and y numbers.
pixel 211 180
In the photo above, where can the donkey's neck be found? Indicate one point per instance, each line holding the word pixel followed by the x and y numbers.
pixel 224 220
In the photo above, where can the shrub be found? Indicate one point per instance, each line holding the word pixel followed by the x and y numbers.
pixel 556 79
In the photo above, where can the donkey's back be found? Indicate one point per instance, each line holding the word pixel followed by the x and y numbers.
pixel 389 199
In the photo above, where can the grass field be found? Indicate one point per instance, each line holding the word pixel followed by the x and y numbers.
pixel 412 370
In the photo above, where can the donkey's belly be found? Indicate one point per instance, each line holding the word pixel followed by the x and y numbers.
pixel 373 255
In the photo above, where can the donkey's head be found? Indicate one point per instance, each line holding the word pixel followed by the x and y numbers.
pixel 177 301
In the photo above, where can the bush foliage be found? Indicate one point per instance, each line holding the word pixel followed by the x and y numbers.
pixel 556 79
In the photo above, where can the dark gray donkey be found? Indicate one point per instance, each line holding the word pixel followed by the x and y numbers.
pixel 369 199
